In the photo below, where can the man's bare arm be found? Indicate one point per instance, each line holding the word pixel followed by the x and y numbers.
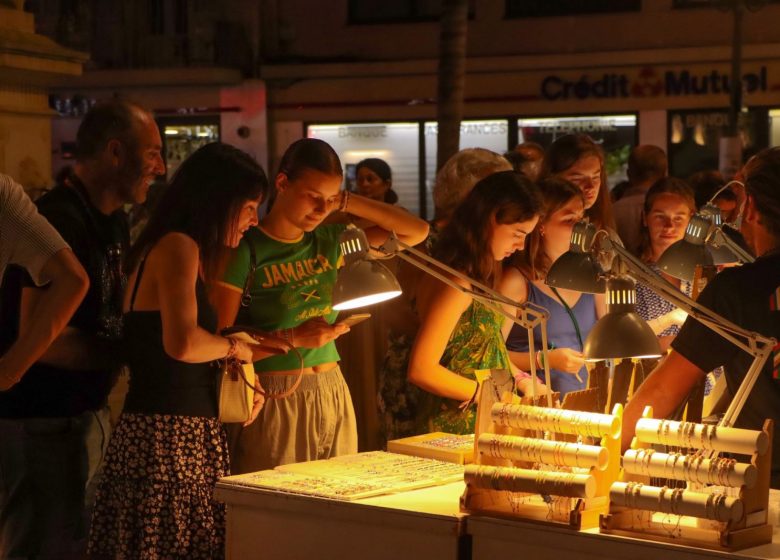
pixel 56 304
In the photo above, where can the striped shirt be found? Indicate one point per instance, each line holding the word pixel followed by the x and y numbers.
pixel 26 238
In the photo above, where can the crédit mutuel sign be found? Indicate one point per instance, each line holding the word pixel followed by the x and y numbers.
pixel 650 82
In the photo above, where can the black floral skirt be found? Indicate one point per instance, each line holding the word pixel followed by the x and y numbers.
pixel 155 496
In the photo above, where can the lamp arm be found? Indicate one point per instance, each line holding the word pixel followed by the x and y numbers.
pixel 719 324
pixel 531 314
pixel 755 344
pixel 741 204
pixel 486 300
pixel 718 238
pixel 746 387
pixel 723 188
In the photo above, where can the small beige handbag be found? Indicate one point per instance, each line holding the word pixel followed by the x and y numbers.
pixel 238 383
pixel 236 393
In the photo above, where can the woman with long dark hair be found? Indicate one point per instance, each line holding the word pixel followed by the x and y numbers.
pixel 572 314
pixel 458 334
pixel 397 398
pixel 168 449
pixel 579 160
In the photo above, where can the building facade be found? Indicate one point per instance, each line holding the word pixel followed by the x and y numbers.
pixel 626 72
pixel 362 75
pixel 30 64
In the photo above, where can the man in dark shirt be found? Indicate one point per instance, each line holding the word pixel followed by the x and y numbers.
pixel 53 423
pixel 748 297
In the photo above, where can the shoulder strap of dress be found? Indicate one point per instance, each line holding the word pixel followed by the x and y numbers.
pixel 528 284
pixel 137 281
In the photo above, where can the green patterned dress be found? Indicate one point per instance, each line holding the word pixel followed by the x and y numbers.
pixel 476 343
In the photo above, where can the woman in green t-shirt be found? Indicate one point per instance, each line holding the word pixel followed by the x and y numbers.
pixel 458 334
pixel 296 262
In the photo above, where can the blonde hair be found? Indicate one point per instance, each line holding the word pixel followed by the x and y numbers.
pixel 460 173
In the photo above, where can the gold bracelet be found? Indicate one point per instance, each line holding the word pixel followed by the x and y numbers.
pixel 231 353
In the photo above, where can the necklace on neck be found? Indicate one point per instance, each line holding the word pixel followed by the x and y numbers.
pixel 263 225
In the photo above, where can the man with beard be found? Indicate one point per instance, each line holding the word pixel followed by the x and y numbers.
pixel 747 296
pixel 54 422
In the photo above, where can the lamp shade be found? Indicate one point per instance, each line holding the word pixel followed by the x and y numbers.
pixel 621 333
pixel 681 259
pixel 720 253
pixel 575 269
pixel 364 282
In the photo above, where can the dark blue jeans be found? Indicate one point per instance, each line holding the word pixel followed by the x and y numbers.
pixel 48 474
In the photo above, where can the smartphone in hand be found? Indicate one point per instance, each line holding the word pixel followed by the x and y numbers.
pixel 353 320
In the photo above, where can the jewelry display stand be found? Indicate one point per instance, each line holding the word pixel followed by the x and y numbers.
pixel 452 448
pixel 542 464
pixel 725 503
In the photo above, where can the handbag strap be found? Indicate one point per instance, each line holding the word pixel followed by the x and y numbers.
pixel 260 337
pixel 246 296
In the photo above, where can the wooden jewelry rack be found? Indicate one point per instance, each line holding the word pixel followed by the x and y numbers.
pixel 725 503
pixel 531 463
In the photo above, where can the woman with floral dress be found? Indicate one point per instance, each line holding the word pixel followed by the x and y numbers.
pixel 168 449
pixel 459 335
pixel 398 399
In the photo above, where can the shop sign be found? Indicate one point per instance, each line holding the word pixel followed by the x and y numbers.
pixel 587 126
pixel 363 132
pixel 648 83
pixel 485 128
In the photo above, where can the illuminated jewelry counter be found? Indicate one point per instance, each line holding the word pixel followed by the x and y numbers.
pixel 493 538
pixel 265 523
pixel 424 524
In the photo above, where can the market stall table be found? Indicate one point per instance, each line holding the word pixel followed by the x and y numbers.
pixel 508 539
pixel 423 524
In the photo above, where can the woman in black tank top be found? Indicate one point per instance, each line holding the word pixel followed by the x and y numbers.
pixel 168 450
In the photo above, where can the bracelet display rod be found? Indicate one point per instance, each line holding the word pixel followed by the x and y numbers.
pixel 544 464
pixel 708 500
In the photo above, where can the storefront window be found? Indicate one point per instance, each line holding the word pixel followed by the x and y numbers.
pixel 694 137
pixel 489 134
pixel 396 143
pixel 181 140
pixel 774 127
pixel 617 134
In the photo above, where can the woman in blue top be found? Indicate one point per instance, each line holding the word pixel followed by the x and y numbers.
pixel 572 314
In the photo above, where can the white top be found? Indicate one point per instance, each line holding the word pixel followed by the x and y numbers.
pixel 26 238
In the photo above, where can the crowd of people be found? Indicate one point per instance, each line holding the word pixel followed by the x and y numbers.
pixel 80 301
